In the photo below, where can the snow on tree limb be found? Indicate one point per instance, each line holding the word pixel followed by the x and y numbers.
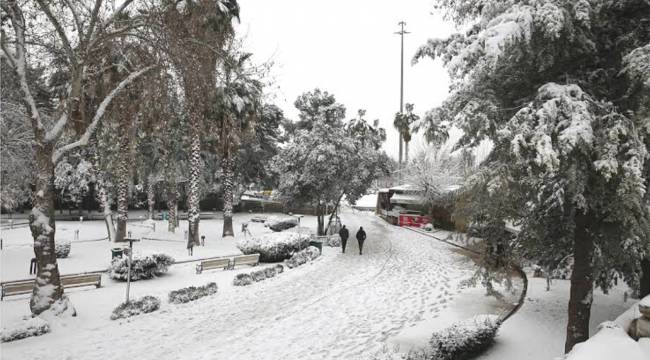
pixel 99 114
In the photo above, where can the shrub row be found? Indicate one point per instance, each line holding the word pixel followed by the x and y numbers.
pixel 256 276
pixel 192 293
pixel 302 257
pixel 144 305
pixel 31 327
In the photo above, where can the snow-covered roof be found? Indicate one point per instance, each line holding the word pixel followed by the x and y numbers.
pixel 406 199
pixel 406 187
pixel 451 188
pixel 383 190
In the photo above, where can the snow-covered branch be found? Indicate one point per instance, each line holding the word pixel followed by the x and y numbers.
pixel 99 114
pixel 59 29
pixel 19 61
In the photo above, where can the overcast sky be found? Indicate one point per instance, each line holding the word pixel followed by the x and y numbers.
pixel 348 48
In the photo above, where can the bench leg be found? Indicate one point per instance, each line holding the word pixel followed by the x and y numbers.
pixel 199 269
pixel 99 283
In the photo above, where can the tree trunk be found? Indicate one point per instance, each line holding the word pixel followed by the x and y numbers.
pixel 195 173
pixel 47 287
pixel 582 285
pixel 644 288
pixel 104 201
pixel 151 196
pixel 227 195
pixel 335 211
pixel 122 182
pixel 320 215
pixel 172 205
pixel 406 152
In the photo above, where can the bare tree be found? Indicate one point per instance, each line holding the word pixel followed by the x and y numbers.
pixel 92 28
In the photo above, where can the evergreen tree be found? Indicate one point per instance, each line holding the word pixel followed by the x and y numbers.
pixel 558 86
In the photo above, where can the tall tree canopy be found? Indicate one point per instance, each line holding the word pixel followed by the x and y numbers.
pixel 561 88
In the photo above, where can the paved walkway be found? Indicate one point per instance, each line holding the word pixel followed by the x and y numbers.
pixel 340 306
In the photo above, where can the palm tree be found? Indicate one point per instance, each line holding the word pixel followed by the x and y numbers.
pixel 402 123
pixel 238 104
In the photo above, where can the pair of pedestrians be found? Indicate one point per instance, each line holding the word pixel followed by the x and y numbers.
pixel 361 237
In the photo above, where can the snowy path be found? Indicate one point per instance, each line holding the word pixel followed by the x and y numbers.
pixel 340 306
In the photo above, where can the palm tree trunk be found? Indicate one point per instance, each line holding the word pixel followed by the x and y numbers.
pixel 195 163
pixel 151 196
pixel 227 194
pixel 581 293
pixel 102 196
pixel 172 205
pixel 47 287
pixel 406 152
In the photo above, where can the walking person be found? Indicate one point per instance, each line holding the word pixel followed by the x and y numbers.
pixel 344 234
pixel 361 237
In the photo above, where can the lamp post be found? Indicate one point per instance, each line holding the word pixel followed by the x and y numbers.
pixel 299 236
pixel 128 277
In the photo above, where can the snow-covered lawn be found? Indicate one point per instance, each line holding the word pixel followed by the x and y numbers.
pixel 538 330
pixel 338 306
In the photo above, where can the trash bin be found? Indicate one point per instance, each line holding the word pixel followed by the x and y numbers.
pixel 317 244
pixel 117 253
pixel 165 216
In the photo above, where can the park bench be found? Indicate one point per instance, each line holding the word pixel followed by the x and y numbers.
pixel 206 215
pixel 202 216
pixel 252 259
pixel 68 281
pixel 211 264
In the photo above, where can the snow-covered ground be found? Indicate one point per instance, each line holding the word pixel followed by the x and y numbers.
pixel 403 288
pixel 538 330
pixel 338 306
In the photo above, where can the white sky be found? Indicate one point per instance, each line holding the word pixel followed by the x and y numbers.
pixel 349 48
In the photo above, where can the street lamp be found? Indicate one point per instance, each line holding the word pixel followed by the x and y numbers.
pixel 299 237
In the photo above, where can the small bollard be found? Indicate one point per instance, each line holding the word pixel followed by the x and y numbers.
pixel 76 234
pixel 202 240
pixel 129 233
pixel 81 219
pixel 186 234
pixel 154 227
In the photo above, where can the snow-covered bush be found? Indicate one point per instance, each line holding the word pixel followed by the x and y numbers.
pixel 312 252
pixel 273 247
pixel 144 266
pixel 291 263
pixel 465 340
pixel 270 272
pixel 270 221
pixel 144 305
pixel 31 327
pixel 242 280
pixel 302 257
pixel 62 248
pixel 333 241
pixel 258 275
pixel 283 224
pixel 428 227
pixel 192 293
pixel 279 269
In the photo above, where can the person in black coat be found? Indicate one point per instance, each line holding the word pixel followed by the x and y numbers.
pixel 344 234
pixel 361 237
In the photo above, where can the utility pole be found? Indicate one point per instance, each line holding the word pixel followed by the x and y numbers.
pixel 401 99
